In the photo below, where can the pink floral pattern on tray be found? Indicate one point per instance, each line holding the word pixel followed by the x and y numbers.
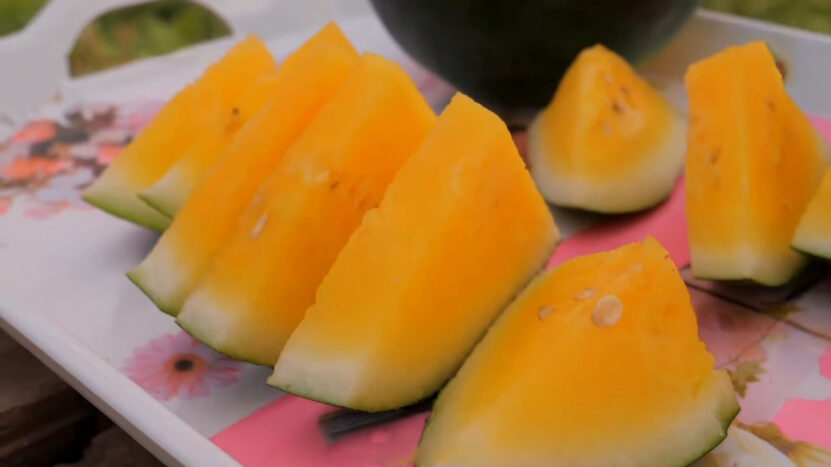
pixel 176 365
pixel 47 163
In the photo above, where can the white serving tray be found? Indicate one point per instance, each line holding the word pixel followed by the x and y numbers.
pixel 63 293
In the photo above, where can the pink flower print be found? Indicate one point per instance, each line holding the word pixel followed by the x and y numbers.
pixel 135 117
pixel 35 132
pixel 806 419
pixel 108 153
pixel 33 167
pixel 176 365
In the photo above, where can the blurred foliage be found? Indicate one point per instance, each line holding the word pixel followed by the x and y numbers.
pixel 140 31
pixel 814 15
pixel 15 14
pixel 125 34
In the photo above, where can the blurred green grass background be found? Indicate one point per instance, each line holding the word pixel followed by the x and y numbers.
pixel 165 25
pixel 125 34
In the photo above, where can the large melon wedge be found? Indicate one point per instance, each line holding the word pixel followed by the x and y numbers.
pixel 170 192
pixel 813 233
pixel 596 363
pixel 753 163
pixel 607 142
pixel 172 131
pixel 265 276
pixel 307 79
pixel 460 230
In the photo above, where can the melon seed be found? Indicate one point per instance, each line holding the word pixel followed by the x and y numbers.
pixel 585 294
pixel 258 227
pixel 545 312
pixel 607 311
pixel 259 196
pixel 323 176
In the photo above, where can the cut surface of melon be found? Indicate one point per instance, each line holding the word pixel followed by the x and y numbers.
pixel 307 79
pixel 459 231
pixel 169 193
pixel 596 363
pixel 607 142
pixel 265 276
pixel 813 233
pixel 753 163
pixel 166 139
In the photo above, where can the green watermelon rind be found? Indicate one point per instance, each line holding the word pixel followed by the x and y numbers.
pixel 125 205
pixel 160 203
pixel 220 348
pixel 811 252
pixel 135 278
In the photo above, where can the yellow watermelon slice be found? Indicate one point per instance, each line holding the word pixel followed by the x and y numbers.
pixel 307 79
pixel 265 276
pixel 170 192
pixel 596 363
pixel 173 130
pixel 607 142
pixel 460 230
pixel 753 163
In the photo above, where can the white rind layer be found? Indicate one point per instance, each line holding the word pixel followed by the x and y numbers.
pixel 333 381
pixel 817 245
pixel 171 191
pixel 112 193
pixel 638 189
pixel 156 277
pixel 746 264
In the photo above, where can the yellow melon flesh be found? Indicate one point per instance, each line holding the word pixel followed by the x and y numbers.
pixel 596 363
pixel 173 130
pixel 753 163
pixel 265 277
pixel 607 142
pixel 459 231
pixel 813 234
pixel 306 81
pixel 170 192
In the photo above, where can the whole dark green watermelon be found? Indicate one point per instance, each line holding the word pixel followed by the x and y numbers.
pixel 510 55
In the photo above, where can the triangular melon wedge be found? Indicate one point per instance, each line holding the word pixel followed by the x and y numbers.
pixel 459 231
pixel 307 79
pixel 753 163
pixel 170 192
pixel 265 276
pixel 596 363
pixel 182 120
pixel 608 141
pixel 813 233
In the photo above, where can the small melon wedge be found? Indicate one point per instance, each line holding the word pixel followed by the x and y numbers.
pixel 596 363
pixel 172 131
pixel 170 192
pixel 753 163
pixel 307 79
pixel 265 276
pixel 607 142
pixel 460 230
pixel 813 233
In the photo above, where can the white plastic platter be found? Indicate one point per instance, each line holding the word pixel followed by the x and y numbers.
pixel 63 293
